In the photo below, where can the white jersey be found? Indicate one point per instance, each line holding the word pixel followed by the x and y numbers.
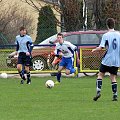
pixel 66 48
pixel 111 41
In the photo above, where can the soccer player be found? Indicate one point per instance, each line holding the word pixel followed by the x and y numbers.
pixel 66 49
pixel 111 60
pixel 23 49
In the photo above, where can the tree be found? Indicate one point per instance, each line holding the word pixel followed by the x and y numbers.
pixel 72 15
pixel 103 9
pixel 112 10
pixel 12 18
pixel 47 25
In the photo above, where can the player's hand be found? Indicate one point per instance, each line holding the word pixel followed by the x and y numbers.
pixel 93 50
pixel 27 53
pixel 60 54
pixel 13 54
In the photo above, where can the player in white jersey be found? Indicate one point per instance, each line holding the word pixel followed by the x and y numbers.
pixel 111 59
pixel 66 49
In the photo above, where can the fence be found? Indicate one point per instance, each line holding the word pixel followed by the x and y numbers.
pixel 43 56
pixel 90 62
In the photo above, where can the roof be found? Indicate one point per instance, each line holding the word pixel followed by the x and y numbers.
pixel 85 32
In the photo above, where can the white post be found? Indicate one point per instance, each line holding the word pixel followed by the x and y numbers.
pixel 84 15
pixel 83 12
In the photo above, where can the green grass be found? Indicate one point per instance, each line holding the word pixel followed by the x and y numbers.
pixel 72 100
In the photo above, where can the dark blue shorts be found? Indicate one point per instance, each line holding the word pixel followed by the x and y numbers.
pixel 112 70
pixel 24 59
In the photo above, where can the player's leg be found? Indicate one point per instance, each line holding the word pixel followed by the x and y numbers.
pixel 61 67
pixel 114 86
pixel 113 72
pixel 98 85
pixel 101 74
pixel 20 69
pixel 55 62
pixel 59 74
pixel 69 66
pixel 27 68
pixel 28 75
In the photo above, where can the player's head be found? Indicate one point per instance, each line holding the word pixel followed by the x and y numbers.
pixel 110 22
pixel 23 31
pixel 60 38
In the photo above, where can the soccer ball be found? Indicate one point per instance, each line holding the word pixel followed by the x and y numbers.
pixel 4 75
pixel 49 84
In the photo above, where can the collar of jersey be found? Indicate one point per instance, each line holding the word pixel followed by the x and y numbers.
pixel 111 30
pixel 22 35
pixel 61 43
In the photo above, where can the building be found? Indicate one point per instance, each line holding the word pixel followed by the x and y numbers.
pixel 32 11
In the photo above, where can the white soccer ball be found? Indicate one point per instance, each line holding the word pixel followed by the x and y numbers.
pixel 49 84
pixel 4 75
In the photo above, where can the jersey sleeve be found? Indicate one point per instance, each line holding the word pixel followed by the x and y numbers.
pixel 57 51
pixel 73 47
pixel 16 41
pixel 30 44
pixel 17 44
pixel 103 41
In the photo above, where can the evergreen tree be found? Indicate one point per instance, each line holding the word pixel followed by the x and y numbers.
pixel 47 25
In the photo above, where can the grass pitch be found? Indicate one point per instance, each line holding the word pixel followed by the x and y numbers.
pixel 71 100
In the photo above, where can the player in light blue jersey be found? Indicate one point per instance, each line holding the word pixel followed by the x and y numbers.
pixel 111 59
pixel 24 48
pixel 66 49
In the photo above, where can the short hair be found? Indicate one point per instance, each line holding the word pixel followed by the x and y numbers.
pixel 22 28
pixel 110 22
pixel 60 34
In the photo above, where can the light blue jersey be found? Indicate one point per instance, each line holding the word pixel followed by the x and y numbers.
pixel 24 43
pixel 111 41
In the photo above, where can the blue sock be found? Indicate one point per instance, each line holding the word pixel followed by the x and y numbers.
pixel 58 76
pixel 22 75
pixel 28 76
pixel 114 88
pixel 98 85
pixel 72 70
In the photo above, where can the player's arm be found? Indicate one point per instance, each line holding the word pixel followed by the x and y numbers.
pixel 75 50
pixel 29 46
pixel 53 40
pixel 97 49
pixel 57 55
pixel 54 61
pixel 102 44
pixel 16 52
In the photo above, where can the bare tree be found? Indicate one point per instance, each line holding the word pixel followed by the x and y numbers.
pixel 69 10
pixel 38 5
pixel 102 9
pixel 11 18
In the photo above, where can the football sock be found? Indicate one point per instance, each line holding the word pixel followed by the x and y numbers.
pixel 72 71
pixel 98 85
pixel 21 73
pixel 58 76
pixel 28 76
pixel 114 88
